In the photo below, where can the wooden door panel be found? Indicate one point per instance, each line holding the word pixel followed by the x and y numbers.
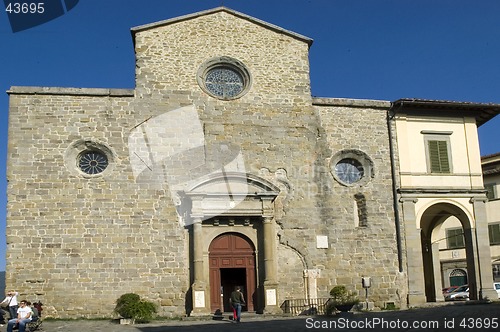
pixel 251 285
pixel 231 251
pixel 215 289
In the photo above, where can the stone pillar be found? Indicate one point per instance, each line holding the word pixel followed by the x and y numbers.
pixel 415 265
pixel 199 287
pixel 436 267
pixel 310 278
pixel 482 252
pixel 271 304
pixel 473 272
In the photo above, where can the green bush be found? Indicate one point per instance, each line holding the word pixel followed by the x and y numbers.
pixel 124 300
pixel 340 296
pixel 131 306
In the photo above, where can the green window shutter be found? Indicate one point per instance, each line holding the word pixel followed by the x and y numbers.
pixel 494 232
pixel 455 238
pixel 438 156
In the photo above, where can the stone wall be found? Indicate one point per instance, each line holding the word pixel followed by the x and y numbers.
pixel 170 55
pixel 78 242
pixel 358 248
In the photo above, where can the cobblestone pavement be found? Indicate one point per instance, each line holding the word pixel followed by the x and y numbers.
pixel 450 317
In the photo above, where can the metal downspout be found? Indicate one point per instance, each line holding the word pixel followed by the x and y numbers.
pixel 394 190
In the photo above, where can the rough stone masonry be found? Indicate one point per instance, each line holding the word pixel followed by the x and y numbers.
pixel 78 241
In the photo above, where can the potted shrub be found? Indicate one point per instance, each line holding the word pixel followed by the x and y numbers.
pixel 133 309
pixel 341 299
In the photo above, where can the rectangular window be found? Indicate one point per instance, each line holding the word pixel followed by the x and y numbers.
pixel 439 161
pixel 496 275
pixel 455 238
pixel 490 190
pixel 494 232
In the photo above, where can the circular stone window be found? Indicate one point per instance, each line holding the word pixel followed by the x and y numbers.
pixel 89 158
pixel 351 167
pixel 92 162
pixel 224 78
pixel 349 170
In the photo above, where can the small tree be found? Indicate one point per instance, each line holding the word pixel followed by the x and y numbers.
pixel 131 306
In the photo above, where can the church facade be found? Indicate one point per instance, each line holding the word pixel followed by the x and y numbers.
pixel 220 170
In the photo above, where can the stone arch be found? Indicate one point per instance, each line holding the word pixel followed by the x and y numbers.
pixel 453 207
pixel 293 268
pixel 294 246
pixel 431 218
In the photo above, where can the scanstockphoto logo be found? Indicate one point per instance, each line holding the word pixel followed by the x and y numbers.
pixel 27 14
pixel 171 149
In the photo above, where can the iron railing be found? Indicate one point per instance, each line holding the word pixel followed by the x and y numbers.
pixel 308 307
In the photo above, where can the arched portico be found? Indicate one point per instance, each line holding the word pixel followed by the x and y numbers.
pixel 422 244
pixel 232 203
pixel 432 218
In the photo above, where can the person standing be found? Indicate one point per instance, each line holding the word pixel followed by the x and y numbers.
pixel 23 318
pixel 11 301
pixel 237 300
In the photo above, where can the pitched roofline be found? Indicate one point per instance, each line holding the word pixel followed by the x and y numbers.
pixel 270 26
pixel 483 112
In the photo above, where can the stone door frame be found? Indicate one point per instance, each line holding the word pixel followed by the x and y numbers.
pixel 255 201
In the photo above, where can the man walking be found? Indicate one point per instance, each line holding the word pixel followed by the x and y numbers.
pixel 237 300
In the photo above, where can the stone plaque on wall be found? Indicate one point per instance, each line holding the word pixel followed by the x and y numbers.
pixel 271 297
pixel 199 299
pixel 322 242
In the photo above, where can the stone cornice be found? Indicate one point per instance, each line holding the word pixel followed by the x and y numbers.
pixel 37 90
pixel 351 102
pixel 412 192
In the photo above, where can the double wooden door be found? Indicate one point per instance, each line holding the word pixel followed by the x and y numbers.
pixel 231 263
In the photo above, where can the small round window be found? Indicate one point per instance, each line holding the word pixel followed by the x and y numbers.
pixel 92 162
pixel 224 78
pixel 349 170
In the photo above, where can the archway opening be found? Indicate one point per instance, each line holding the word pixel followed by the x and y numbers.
pixel 230 278
pixel 231 264
pixel 446 231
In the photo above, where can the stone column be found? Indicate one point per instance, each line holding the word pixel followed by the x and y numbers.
pixel 436 267
pixel 199 287
pixel 270 280
pixel 482 252
pixel 310 278
pixel 415 265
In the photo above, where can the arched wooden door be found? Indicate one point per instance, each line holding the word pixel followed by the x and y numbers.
pixel 232 263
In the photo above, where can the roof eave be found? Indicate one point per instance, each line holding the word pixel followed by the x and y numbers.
pixel 482 112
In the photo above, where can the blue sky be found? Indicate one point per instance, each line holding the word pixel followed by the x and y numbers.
pixel 368 49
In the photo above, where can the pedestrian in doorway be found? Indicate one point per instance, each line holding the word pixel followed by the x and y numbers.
pixel 237 300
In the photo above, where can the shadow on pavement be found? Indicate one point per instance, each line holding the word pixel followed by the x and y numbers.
pixel 225 325
pixel 459 316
